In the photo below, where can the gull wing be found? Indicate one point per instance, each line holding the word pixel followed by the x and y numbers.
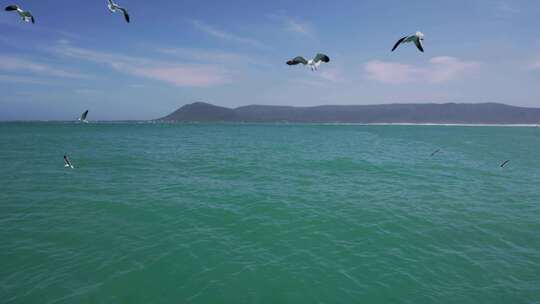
pixel 297 60
pixel 83 116
pixel 504 164
pixel 32 18
pixel 321 58
pixel 418 43
pixel 126 15
pixel 398 43
pixel 10 8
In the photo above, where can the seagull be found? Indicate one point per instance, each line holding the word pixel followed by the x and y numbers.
pixel 25 15
pixel 313 64
pixel 504 164
pixel 67 163
pixel 416 38
pixel 83 117
pixel 435 152
pixel 113 7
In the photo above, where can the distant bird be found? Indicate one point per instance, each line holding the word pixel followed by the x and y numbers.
pixel 113 7
pixel 435 152
pixel 67 163
pixel 416 38
pixel 83 117
pixel 25 15
pixel 313 64
pixel 504 164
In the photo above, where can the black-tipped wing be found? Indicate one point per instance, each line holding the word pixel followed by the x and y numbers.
pixel 33 19
pixel 321 58
pixel 435 152
pixel 12 8
pixel 418 43
pixel 66 160
pixel 297 60
pixel 398 43
pixel 83 116
pixel 126 15
pixel 505 163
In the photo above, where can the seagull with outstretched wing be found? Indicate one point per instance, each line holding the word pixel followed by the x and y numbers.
pixel 67 163
pixel 113 7
pixel 83 117
pixel 313 64
pixel 417 38
pixel 25 15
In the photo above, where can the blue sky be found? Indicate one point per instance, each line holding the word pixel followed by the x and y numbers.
pixel 232 53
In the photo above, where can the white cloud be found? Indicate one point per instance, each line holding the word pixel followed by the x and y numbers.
pixel 181 75
pixel 440 69
pixel 223 35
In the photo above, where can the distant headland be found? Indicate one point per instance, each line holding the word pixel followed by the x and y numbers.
pixel 446 113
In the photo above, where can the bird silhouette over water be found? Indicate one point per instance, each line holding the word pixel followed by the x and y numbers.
pixel 435 152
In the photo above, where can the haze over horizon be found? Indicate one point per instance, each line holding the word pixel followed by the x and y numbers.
pixel 233 54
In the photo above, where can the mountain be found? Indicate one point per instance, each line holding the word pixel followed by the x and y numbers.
pixel 201 112
pixel 448 113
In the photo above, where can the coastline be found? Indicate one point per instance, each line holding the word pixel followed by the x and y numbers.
pixel 273 123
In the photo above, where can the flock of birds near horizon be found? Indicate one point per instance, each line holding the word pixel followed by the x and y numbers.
pixel 312 64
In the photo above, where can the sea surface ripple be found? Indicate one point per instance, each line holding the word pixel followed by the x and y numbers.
pixel 268 213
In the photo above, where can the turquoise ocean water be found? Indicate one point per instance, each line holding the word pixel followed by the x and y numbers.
pixel 165 213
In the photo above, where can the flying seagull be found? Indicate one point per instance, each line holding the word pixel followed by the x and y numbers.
pixel 435 152
pixel 504 164
pixel 113 7
pixel 313 64
pixel 67 163
pixel 83 117
pixel 25 15
pixel 416 38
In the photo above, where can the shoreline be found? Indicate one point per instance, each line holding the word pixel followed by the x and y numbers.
pixel 275 123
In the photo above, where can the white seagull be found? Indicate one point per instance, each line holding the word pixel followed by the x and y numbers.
pixel 67 163
pixel 416 38
pixel 113 7
pixel 83 117
pixel 313 64
pixel 25 15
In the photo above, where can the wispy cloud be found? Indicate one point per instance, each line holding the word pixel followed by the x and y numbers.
pixel 534 65
pixel 23 79
pixel 223 35
pixel 181 75
pixel 331 74
pixel 506 9
pixel 215 57
pixel 440 69
pixel 18 64
pixel 295 25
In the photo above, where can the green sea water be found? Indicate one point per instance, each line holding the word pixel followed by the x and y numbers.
pixel 247 213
